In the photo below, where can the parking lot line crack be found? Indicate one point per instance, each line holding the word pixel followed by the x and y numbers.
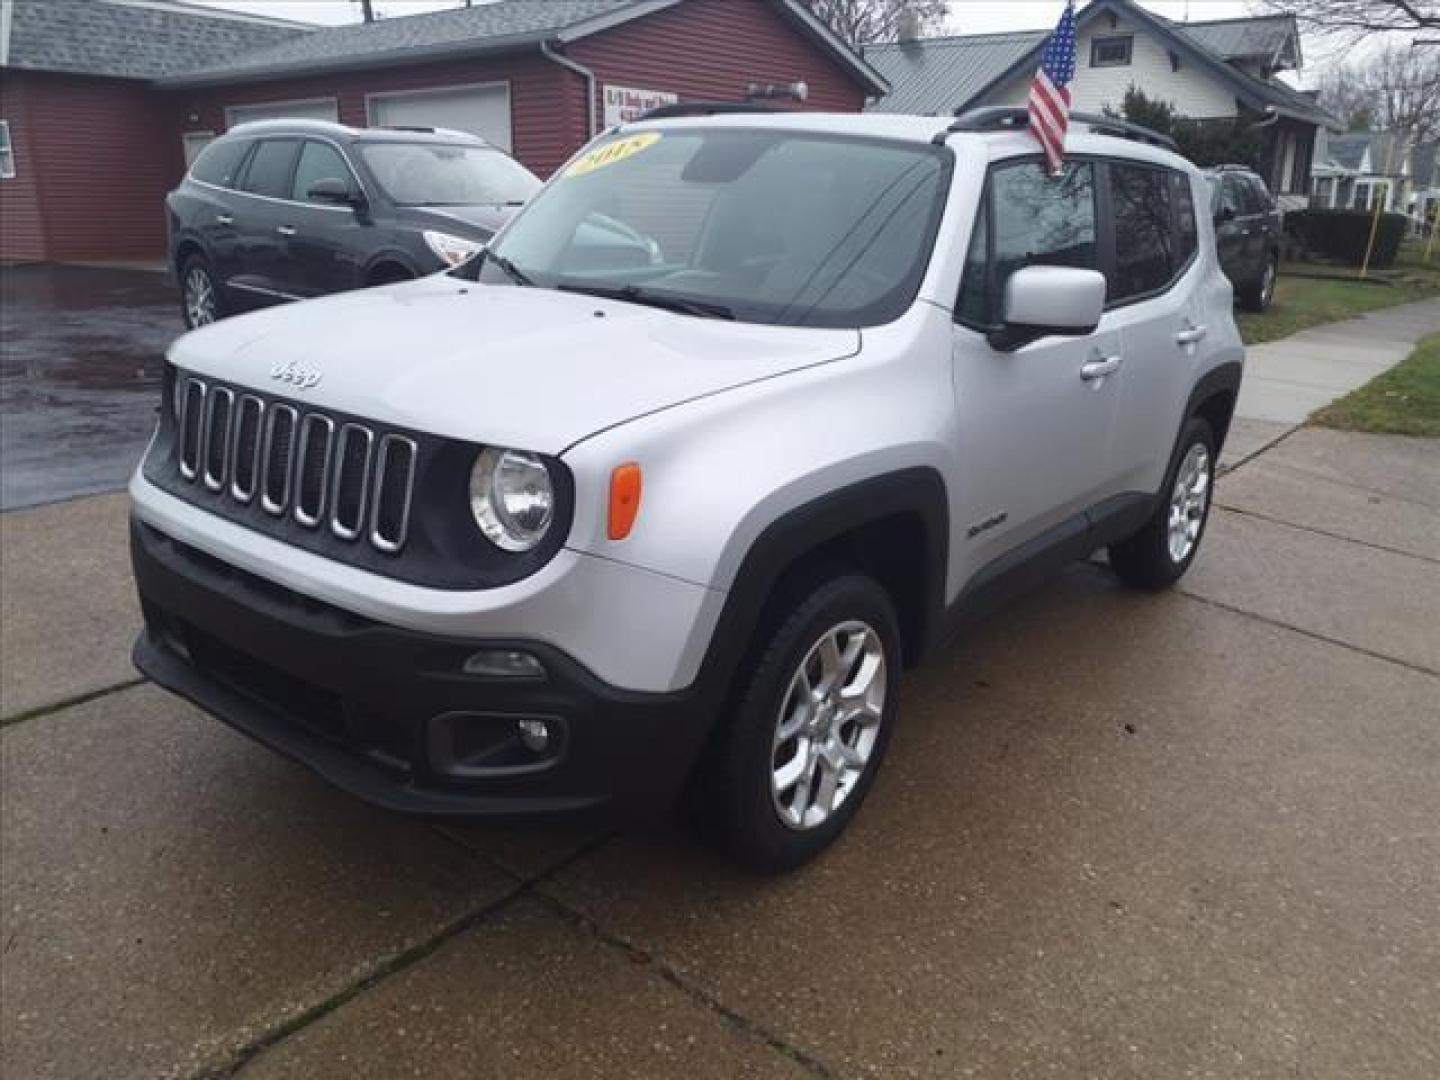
pixel 398 962
pixel 1243 512
pixel 1225 469
pixel 1314 635
pixel 69 703
pixel 746 1025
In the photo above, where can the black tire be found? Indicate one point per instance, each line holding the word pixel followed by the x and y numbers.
pixel 732 797
pixel 1257 295
pixel 191 266
pixel 1145 559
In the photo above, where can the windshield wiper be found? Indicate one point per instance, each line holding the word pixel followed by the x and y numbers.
pixel 513 272
pixel 637 294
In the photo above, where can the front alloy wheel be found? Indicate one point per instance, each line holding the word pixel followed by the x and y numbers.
pixel 828 725
pixel 201 306
pixel 813 711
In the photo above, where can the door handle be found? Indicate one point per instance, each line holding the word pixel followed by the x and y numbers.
pixel 285 230
pixel 1099 368
pixel 224 219
pixel 1190 335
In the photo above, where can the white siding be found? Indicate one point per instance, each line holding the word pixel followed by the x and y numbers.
pixel 1194 93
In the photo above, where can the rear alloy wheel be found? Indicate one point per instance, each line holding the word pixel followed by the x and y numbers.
pixel 1257 297
pixel 1165 546
pixel 200 302
pixel 793 763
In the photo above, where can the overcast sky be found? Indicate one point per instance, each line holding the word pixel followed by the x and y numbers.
pixel 966 16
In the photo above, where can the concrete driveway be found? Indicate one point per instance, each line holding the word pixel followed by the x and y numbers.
pixel 1191 834
pixel 80 364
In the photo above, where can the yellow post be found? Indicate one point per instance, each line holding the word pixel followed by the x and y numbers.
pixel 1374 229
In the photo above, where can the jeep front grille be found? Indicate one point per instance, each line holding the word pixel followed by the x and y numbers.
pixel 302 465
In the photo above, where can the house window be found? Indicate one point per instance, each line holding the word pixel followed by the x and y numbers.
pixel 1111 51
pixel 7 152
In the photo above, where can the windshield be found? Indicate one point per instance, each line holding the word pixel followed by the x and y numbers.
pixel 433 174
pixel 757 225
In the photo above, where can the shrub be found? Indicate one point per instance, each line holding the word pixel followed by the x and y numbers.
pixel 1345 234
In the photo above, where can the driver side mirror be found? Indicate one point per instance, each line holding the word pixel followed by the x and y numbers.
pixel 336 192
pixel 1224 214
pixel 1043 301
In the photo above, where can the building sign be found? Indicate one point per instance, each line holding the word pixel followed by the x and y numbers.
pixel 625 103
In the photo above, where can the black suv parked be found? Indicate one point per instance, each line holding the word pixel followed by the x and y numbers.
pixel 288 209
pixel 1247 233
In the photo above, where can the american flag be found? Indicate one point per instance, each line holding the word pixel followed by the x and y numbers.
pixel 1050 91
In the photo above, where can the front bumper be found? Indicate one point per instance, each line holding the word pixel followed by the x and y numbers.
pixel 388 714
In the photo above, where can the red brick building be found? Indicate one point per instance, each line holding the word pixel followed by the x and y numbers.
pixel 102 102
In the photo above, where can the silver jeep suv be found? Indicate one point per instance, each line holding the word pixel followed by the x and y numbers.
pixel 579 527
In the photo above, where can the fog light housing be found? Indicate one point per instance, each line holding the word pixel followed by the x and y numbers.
pixel 503 664
pixel 534 733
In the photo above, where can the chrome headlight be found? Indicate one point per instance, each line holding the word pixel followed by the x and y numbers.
pixel 512 498
pixel 453 250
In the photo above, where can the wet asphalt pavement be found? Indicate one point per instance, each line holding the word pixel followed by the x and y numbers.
pixel 80 364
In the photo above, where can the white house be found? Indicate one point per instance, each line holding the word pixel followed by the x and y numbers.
pixel 1220 70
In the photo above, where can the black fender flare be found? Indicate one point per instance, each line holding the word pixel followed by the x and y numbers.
pixel 1220 379
pixel 918 491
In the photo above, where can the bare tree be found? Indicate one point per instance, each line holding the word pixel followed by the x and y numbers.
pixel 1396 90
pixel 863 22
pixel 1360 16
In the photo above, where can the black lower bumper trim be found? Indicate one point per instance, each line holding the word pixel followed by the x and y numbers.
pixel 356 701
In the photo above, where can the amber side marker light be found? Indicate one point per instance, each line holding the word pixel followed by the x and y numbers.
pixel 624 499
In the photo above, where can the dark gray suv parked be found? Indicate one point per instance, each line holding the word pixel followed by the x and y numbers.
pixel 1247 233
pixel 287 209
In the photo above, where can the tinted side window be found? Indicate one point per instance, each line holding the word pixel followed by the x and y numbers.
pixel 319 161
pixel 270 167
pixel 1038 220
pixel 219 163
pixel 1187 238
pixel 1144 239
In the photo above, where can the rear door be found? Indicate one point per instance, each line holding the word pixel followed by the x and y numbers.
pixel 262 220
pixel 1034 423
pixel 1157 306
pixel 326 244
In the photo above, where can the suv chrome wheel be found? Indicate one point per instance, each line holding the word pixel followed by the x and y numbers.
pixel 828 725
pixel 199 297
pixel 1267 284
pixel 1188 502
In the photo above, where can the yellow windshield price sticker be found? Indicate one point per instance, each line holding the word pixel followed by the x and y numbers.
pixel 612 152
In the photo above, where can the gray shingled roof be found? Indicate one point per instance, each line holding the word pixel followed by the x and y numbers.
pixel 1261 35
pixel 494 26
pixel 132 40
pixel 938 74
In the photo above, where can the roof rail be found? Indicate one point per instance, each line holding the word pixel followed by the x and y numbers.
pixel 702 108
pixel 1005 118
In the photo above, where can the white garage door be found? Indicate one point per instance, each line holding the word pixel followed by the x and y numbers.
pixel 314 109
pixel 480 110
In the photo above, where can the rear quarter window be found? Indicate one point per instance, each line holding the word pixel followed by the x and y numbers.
pixel 219 163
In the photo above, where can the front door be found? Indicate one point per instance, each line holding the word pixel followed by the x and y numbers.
pixel 1033 424
pixel 322 248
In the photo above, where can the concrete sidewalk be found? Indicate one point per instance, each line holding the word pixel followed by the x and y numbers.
pixel 1287 380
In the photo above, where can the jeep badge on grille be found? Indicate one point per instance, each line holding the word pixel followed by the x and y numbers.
pixel 297 376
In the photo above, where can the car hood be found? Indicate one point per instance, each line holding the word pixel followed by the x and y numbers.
pixel 480 221
pixel 498 364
